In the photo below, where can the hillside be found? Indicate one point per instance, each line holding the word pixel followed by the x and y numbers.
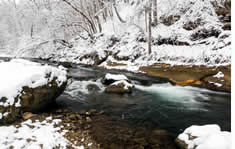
pixel 188 33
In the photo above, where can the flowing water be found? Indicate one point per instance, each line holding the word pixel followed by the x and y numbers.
pixel 154 103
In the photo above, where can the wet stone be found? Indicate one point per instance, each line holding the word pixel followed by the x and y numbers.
pixel 82 112
pixel 87 127
pixel 92 111
pixel 59 111
pixel 88 119
pixel 99 113
pixel 72 117
pixel 28 115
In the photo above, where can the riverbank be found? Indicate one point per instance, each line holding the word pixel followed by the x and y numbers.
pixel 94 129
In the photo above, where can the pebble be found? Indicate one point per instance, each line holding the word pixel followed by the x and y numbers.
pixel 88 119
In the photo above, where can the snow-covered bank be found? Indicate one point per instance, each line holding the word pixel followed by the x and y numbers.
pixel 206 137
pixel 35 135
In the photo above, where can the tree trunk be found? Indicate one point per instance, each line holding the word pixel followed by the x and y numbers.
pixel 146 20
pixel 31 31
pixel 97 7
pixel 150 29
pixel 99 24
pixel 155 20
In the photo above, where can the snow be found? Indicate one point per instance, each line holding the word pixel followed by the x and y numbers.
pixel 216 84
pixel 5 55
pixel 132 53
pixel 19 73
pixel 207 137
pixel 3 115
pixel 127 65
pixel 115 77
pixel 34 135
pixel 211 51
pixel 219 75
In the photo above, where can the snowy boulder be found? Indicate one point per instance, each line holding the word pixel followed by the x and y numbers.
pixel 28 87
pixel 119 87
pixel 204 137
pixel 111 78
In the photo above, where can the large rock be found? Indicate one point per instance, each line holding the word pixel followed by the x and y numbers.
pixel 32 91
pixel 111 78
pixel 35 99
pixel 32 100
pixel 204 137
pixel 119 87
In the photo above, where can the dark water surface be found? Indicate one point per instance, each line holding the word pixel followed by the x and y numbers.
pixel 154 103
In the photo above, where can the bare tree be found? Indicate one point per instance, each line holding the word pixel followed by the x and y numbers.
pixel 118 15
pixel 150 27
pixel 91 24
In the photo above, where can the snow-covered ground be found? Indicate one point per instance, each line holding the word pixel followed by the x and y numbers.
pixel 35 135
pixel 206 137
pixel 19 73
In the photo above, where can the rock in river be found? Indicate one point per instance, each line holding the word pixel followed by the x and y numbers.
pixel 119 87
pixel 111 78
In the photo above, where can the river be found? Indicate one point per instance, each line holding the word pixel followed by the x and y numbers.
pixel 154 103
